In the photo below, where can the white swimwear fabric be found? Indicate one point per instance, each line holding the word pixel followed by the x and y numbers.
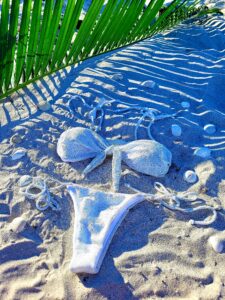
pixel 97 217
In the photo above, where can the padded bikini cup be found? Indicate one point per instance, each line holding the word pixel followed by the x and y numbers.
pixel 77 144
pixel 147 157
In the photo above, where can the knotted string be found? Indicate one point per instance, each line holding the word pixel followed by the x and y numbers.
pixel 43 198
pixel 97 112
pixel 174 202
pixel 151 114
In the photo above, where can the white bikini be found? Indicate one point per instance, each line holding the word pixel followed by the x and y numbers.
pixel 97 217
pixel 99 214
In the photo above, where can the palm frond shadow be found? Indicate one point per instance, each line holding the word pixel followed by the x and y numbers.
pixel 39 38
pixel 181 74
pixel 175 83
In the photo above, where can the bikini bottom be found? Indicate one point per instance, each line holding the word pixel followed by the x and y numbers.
pixel 97 217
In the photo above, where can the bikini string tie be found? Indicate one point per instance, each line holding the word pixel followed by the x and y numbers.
pixel 175 205
pixel 97 112
pixel 37 190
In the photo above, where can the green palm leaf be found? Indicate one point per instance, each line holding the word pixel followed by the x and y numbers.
pixel 46 37
pixel 23 38
pixel 46 23
pixel 11 47
pixel 4 27
pixel 33 37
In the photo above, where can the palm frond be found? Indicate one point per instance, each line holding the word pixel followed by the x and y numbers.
pixel 39 37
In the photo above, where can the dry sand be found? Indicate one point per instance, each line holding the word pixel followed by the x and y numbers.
pixel 154 253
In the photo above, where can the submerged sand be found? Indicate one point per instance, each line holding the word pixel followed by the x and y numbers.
pixel 155 253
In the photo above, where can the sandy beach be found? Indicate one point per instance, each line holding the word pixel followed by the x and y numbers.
pixel 155 253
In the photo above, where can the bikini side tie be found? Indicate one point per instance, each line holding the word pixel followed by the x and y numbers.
pixel 174 202
pixel 42 195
